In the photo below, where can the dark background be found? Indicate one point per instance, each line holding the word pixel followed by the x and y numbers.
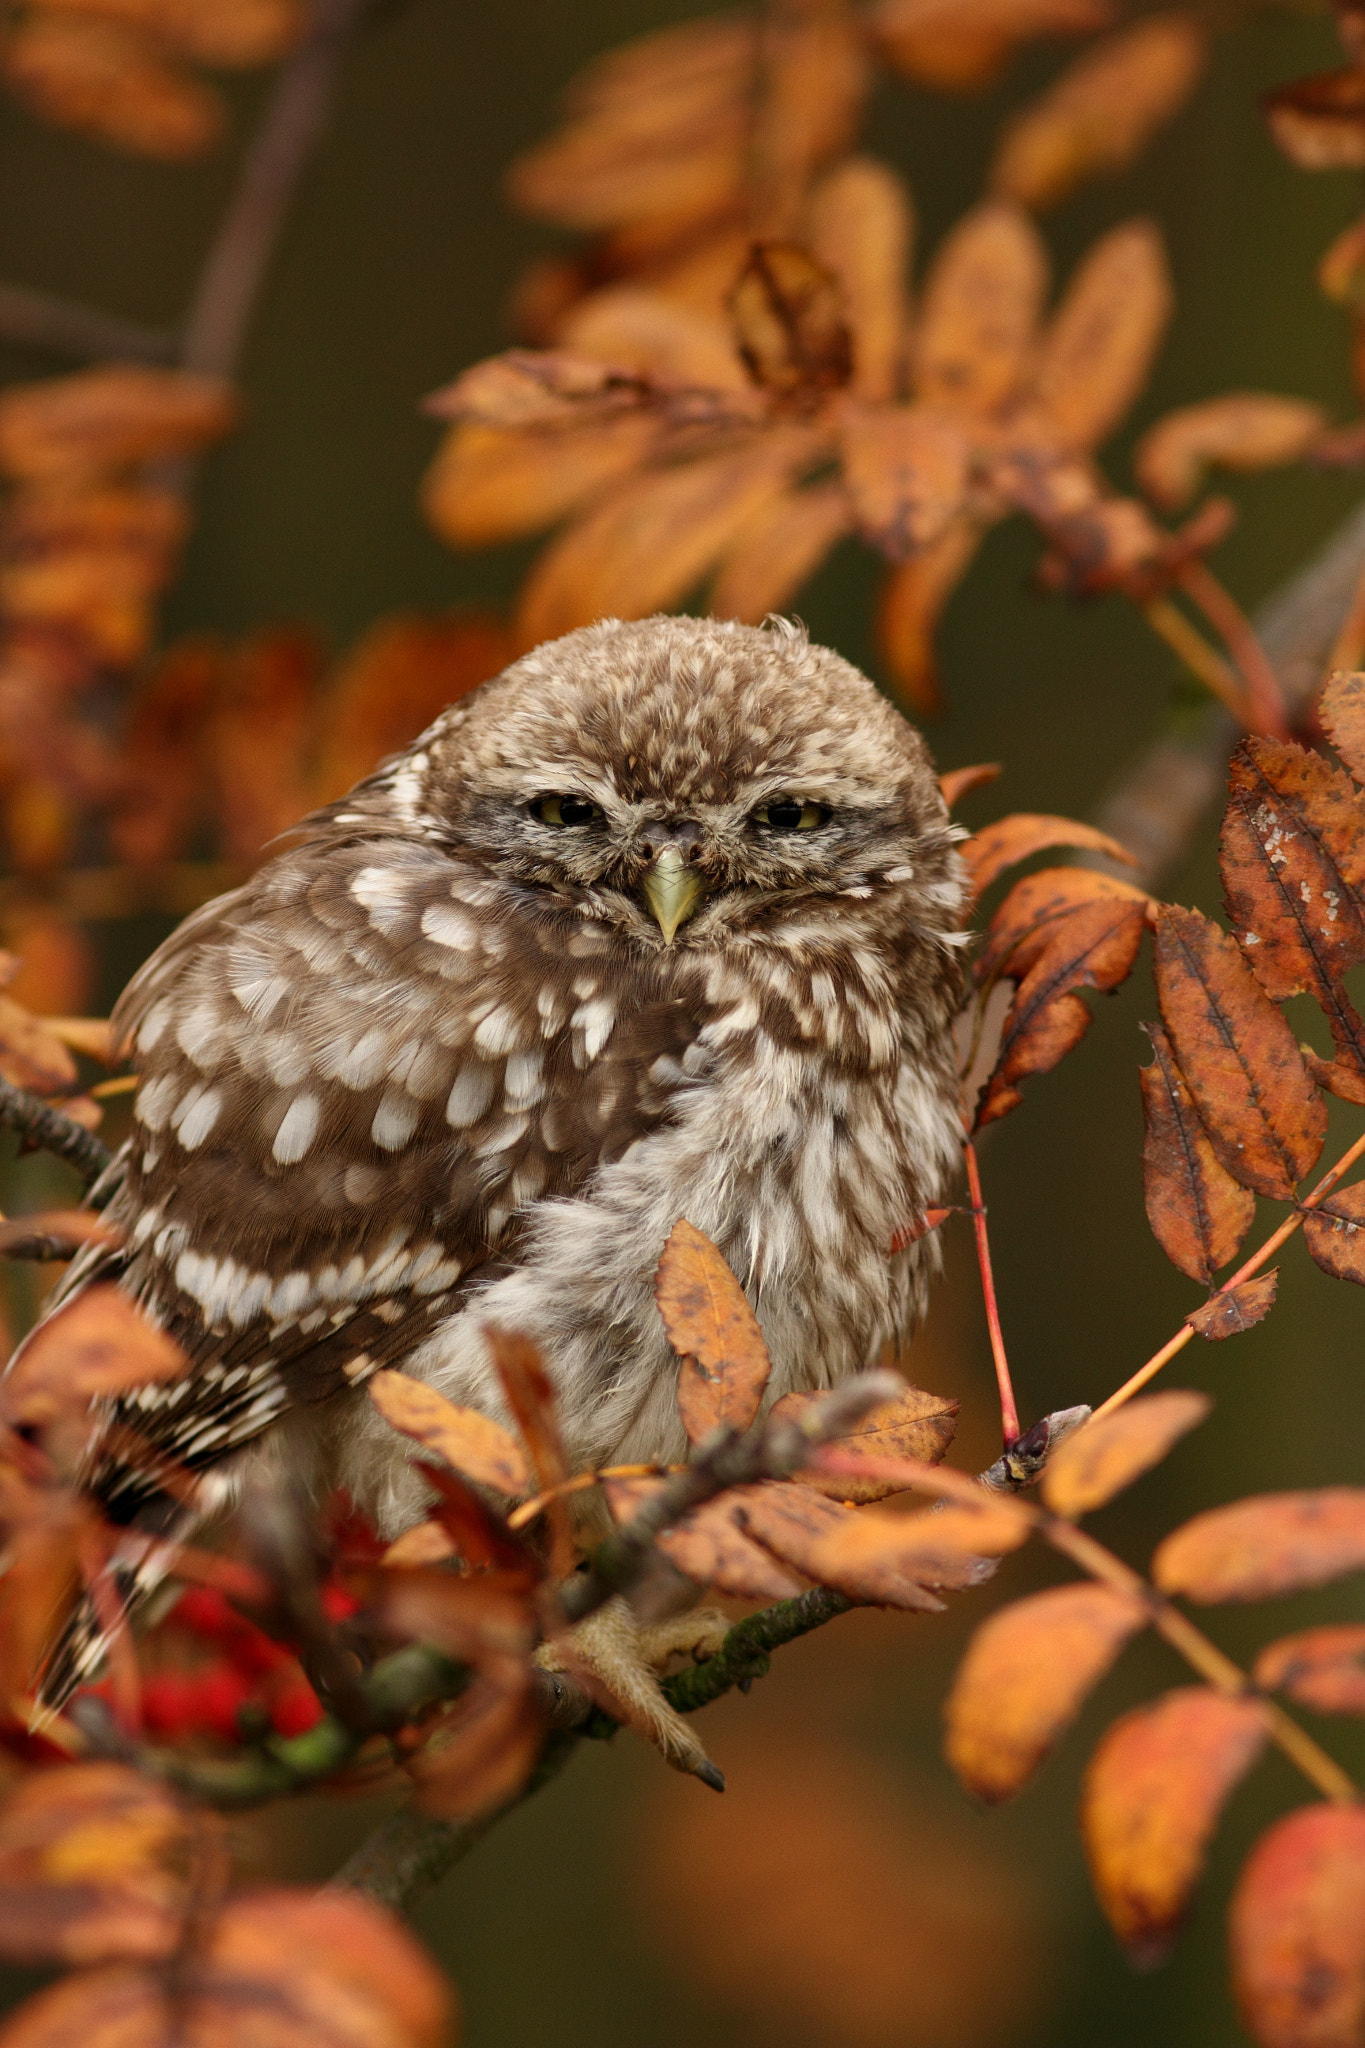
pixel 878 1907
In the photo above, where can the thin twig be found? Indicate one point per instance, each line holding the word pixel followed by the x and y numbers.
pixel 1349 645
pixel 36 319
pixel 1009 1412
pixel 52 1131
pixel 1199 655
pixel 1266 708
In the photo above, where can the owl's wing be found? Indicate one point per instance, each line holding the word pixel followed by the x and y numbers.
pixel 356 1072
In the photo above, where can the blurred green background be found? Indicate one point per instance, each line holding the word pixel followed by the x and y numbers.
pixel 844 1892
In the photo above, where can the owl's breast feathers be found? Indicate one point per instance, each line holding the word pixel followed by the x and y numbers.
pixel 373 1078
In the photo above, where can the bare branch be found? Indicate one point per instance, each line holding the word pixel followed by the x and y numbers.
pixel 51 1131
pixel 37 319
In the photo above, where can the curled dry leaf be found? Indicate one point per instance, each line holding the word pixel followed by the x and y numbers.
pixel 714 1331
pixel 1321 1668
pixel 979 317
pixel 1274 1543
pixel 1234 1309
pixel 1025 1677
pixel 1297 1931
pixel 472 1443
pixel 1152 1796
pixel 1265 1119
pixel 861 225
pixel 958 45
pixel 93 1865
pixel 1243 430
pixel 112 84
pixel 1199 1214
pixel 711 1545
pixel 1319 122
pixel 1099 345
pixel 1023 833
pixel 114 418
pixel 914 1425
pixel 1101 1458
pixel 1103 110
pixel 1341 712
pixel 789 321
pixel 955 783
pixel 1335 1233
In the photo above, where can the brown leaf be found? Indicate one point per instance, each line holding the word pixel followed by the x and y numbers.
pixel 1265 1119
pixel 1320 1668
pixel 955 783
pixel 781 545
pixel 1199 1214
pixel 914 1425
pixel 1341 712
pixel 1243 430
pixel 805 1529
pixel 714 1331
pixel 1024 1679
pixel 816 75
pixel 1234 1309
pixel 93 1865
pixel 906 471
pixel 491 484
pixel 1335 1233
pixel 978 323
pixel 1274 1543
pixel 1151 1800
pixel 90 562
pixel 1098 348
pixel 32 1056
pixel 1339 1079
pixel 908 609
pixel 960 45
pixel 710 1545
pixel 1102 111
pixel 403 673
pixel 472 1443
pixel 1319 122
pixel 1094 947
pixel 1297 1930
pixel 1023 833
pixel 790 322
pixel 258 738
pixel 231 33
pixel 861 229
pixel 485 1750
pixel 528 389
pixel 1023 927
pixel 867 1549
pixel 110 83
pixel 97 422
pixel 161 794
pixel 98 1345
pixel 682 357
pixel 1100 1458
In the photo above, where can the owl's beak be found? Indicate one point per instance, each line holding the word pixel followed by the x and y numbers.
pixel 672 890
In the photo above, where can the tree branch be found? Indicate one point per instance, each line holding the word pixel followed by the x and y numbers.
pixel 52 1131
pixel 37 319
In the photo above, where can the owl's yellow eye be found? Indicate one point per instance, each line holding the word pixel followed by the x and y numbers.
pixel 566 810
pixel 790 814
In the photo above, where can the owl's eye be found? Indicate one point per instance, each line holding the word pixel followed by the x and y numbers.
pixel 566 810
pixel 791 814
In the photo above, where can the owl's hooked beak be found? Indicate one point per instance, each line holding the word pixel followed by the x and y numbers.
pixel 672 890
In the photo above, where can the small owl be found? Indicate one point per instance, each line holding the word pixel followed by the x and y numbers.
pixel 660 922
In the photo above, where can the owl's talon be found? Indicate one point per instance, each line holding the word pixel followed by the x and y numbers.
pixel 709 1775
pixel 621 1662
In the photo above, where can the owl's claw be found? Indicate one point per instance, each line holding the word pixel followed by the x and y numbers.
pixel 620 1661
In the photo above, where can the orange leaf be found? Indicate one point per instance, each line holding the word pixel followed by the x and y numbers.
pixel 960 45
pixel 1319 122
pixel 90 561
pixel 404 673
pixel 789 322
pixel 485 1750
pixel 906 469
pixel 1274 1543
pixel 869 1551
pixel 806 1530
pixel 32 1056
pixel 1243 430
pixel 1234 1309
pixel 90 1862
pixel 1022 928
pixel 782 544
pixel 955 783
pixel 1341 711
pixel 686 360
pixel 54 1233
pixel 1024 1678
pixel 1265 1119
pixel 472 1443
pixel 861 226
pixel 1151 1800
pixel 490 484
pixel 1297 1931
pixel 1321 1668
pixel 110 83
pixel 1199 1214
pixel 231 33
pixel 710 1545
pixel 1102 111
pixel 1023 833
pixel 1098 348
pixel 908 609
pixel 258 737
pixel 98 1345
pixel 1100 1458
pixel 97 422
pixel 914 1425
pixel 714 1331
pixel 1335 1233
pixel 979 317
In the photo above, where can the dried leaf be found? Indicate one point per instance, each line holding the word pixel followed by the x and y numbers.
pixel 914 1425
pixel 403 673
pixel 160 798
pixel 472 1443
pixel 783 543
pixel 1023 833
pixel 955 783
pixel 1320 1668
pixel 531 1397
pixel 1101 1458
pixel 110 83
pixel 1025 1677
pixel 1274 1543
pixel 1297 1931
pixel 805 1529
pixel 714 1331
pixel 1094 947
pixel 906 472
pixel 1319 122
pixel 939 1547
pixel 1102 111
pixel 526 389
pixel 93 1036
pixel 912 597
pixel 31 1056
pixel 258 738
pixel 790 322
pixel 1199 1214
pixel 1243 430
pixel 90 562
pixel 1265 1119
pixel 861 229
pixel 959 45
pixel 490 484
pixel 230 33
pixel 99 421
pixel 658 341
pixel 1022 928
pixel 93 1863
pixel 98 1344
pixel 1235 1309
pixel 1341 712
pixel 486 1749
pixel 807 110
pixel 979 319
pixel 1151 1800
pixel 1098 348
pixel 54 1233
pixel 710 1545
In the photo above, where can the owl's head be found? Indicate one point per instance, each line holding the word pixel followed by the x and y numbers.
pixel 680 778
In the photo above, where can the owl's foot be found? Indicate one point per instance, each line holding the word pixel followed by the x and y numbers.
pixel 621 1661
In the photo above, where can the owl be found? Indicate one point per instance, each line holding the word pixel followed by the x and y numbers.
pixel 661 922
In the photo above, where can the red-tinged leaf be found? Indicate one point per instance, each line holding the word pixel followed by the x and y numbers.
pixel 1021 930
pixel 805 1529
pixel 483 1753
pixel 98 1345
pixel 711 1545
pixel 1094 947
pixel 911 1233
pixel 1341 712
pixel 714 1331
pixel 1319 122
pixel 941 1547
pixel 1321 1668
pixel 1293 860
pixel 914 1425
pixel 956 783
pixel 483 1619
pixel 1151 1800
pixel 1025 1677
pixel 1265 1119
pixel 1243 430
pixel 92 1865
pixel 1234 1309
pixel 906 468
pixel 1100 1458
pixel 531 1398
pixel 979 317
pixel 1297 1931
pixel 472 1443
pixel 1199 1214
pixel 1257 1549
pixel 1023 833
pixel 1335 1233
pixel 480 1539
